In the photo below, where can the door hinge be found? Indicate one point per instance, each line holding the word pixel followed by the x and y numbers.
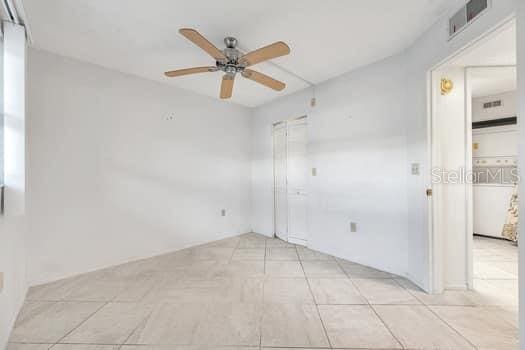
pixel 429 192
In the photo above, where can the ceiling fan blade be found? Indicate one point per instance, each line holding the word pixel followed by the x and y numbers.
pixel 179 72
pixel 263 79
pixel 227 86
pixel 265 53
pixel 196 38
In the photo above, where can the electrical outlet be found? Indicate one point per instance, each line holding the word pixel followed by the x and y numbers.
pixel 1 282
pixel 353 227
pixel 223 212
pixel 415 168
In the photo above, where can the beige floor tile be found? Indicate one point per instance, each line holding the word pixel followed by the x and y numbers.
pixel 322 268
pixel 212 295
pixel 432 333
pixel 287 290
pixel 170 324
pixel 484 327
pixel 137 289
pixel 112 324
pixel 85 347
pixel 494 270
pixel 216 254
pixel 292 325
pixel 356 326
pixel 510 267
pixel 335 291
pixel 133 269
pixel 230 324
pixel 48 322
pixel 276 242
pixel 284 269
pixel 496 292
pixel 308 254
pixel 239 268
pixel 448 297
pixel 384 291
pixel 360 271
pixel 230 242
pixel 248 254
pixel 94 289
pixel 279 253
pixel 252 242
pixel 263 348
pixel 186 347
pixel 21 346
pixel 509 313
pixel 54 291
pixel 221 289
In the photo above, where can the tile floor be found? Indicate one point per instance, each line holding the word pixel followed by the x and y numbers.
pixel 251 292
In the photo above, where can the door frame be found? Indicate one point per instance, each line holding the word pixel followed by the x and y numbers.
pixel 436 256
pixel 285 121
pixel 275 180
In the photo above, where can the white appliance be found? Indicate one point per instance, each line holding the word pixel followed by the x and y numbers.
pixel 495 176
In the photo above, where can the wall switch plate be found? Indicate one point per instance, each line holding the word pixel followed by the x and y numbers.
pixel 1 282
pixel 353 227
pixel 415 169
pixel 223 212
pixel 314 171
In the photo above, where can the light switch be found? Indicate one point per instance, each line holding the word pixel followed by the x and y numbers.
pixel 314 171
pixel 223 212
pixel 353 227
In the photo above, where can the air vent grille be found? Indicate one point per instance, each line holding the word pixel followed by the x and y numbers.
pixel 469 12
pixel 492 104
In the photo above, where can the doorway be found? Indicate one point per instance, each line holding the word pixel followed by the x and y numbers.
pixel 290 180
pixel 473 158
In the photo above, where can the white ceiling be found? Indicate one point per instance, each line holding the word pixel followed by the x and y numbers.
pixel 327 38
pixel 493 81
pixel 491 62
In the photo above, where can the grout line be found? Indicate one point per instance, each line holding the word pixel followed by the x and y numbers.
pixel 397 281
pixel 143 320
pixel 440 318
pixel 81 323
pixel 370 306
pixel 313 298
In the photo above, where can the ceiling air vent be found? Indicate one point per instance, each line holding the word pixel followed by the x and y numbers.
pixel 472 10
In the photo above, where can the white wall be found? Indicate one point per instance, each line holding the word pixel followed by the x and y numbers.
pixel 388 132
pixel 13 222
pixel 357 142
pixel 112 180
pixel 506 110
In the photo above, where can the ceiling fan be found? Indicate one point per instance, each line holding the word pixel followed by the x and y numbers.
pixel 231 61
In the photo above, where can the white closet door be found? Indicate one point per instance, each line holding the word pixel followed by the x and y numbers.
pixel 297 181
pixel 280 193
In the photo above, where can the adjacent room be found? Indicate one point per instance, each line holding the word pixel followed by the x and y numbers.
pixel 257 176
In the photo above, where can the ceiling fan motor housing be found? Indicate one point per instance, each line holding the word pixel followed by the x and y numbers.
pixel 232 66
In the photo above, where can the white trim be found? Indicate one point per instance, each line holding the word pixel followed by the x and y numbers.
pixel 469 190
pixel 298 241
pixel 436 262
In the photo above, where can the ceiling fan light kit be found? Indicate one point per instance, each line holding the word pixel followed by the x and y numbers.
pixel 231 61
